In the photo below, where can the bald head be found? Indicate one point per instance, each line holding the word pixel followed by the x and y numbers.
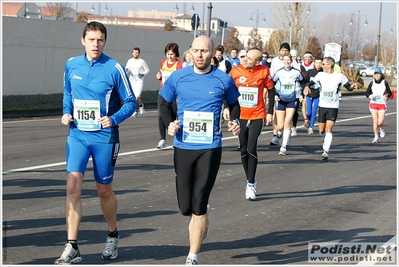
pixel 203 40
pixel 202 53
pixel 254 56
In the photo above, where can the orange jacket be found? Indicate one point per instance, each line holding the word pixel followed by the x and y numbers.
pixel 251 85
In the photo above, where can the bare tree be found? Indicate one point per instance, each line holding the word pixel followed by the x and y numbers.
pixel 59 10
pixel 232 41
pixel 387 50
pixel 335 28
pixel 274 42
pixel 168 27
pixel 338 29
pixel 369 52
pixel 295 21
pixel 344 52
pixel 255 39
pixel 313 46
pixel 82 17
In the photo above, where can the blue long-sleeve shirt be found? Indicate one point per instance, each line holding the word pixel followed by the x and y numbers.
pixel 104 80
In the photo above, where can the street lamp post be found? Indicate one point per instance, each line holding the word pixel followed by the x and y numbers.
pixel 105 10
pixel 209 18
pixel 358 29
pixel 257 17
pixel 115 16
pixel 378 41
pixel 26 9
pixel 76 12
pixel 99 9
pixel 184 14
pixel 203 19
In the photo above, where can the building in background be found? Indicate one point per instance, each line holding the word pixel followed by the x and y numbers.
pixel 145 19
pixel 245 31
pixel 27 10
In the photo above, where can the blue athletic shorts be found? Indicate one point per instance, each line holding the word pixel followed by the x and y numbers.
pixel 104 157
pixel 281 105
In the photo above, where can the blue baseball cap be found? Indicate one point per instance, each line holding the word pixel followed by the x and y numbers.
pixel 377 70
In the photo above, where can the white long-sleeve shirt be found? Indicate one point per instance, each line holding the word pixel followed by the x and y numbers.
pixel 136 66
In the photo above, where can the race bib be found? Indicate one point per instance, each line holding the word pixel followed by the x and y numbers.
pixel 378 99
pixel 198 127
pixel 135 77
pixel 287 89
pixel 86 113
pixel 248 97
pixel 165 75
pixel 328 96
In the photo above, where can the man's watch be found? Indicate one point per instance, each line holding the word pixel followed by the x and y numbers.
pixel 236 121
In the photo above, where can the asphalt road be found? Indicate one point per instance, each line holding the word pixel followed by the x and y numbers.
pixel 300 199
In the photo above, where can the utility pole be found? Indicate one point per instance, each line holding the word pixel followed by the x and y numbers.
pixel 377 57
pixel 209 18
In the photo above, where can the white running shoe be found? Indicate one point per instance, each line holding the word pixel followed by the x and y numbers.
pixel 324 155
pixel 283 151
pixel 135 114
pixel 110 251
pixel 310 131
pixel 68 256
pixel 141 109
pixel 190 261
pixel 293 132
pixel 375 140
pixel 382 133
pixel 162 144
pixel 250 191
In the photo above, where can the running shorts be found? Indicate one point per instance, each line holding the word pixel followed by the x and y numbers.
pixel 196 172
pixel 280 105
pixel 104 157
pixel 328 114
pixel 378 107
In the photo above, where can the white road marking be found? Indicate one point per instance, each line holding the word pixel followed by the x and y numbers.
pixel 155 149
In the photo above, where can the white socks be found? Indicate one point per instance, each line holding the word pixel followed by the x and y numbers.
pixel 327 141
pixel 286 136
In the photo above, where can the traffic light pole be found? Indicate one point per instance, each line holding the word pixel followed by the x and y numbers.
pixel 195 23
pixel 223 24
pixel 196 26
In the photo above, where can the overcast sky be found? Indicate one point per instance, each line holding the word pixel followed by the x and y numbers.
pixel 238 13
